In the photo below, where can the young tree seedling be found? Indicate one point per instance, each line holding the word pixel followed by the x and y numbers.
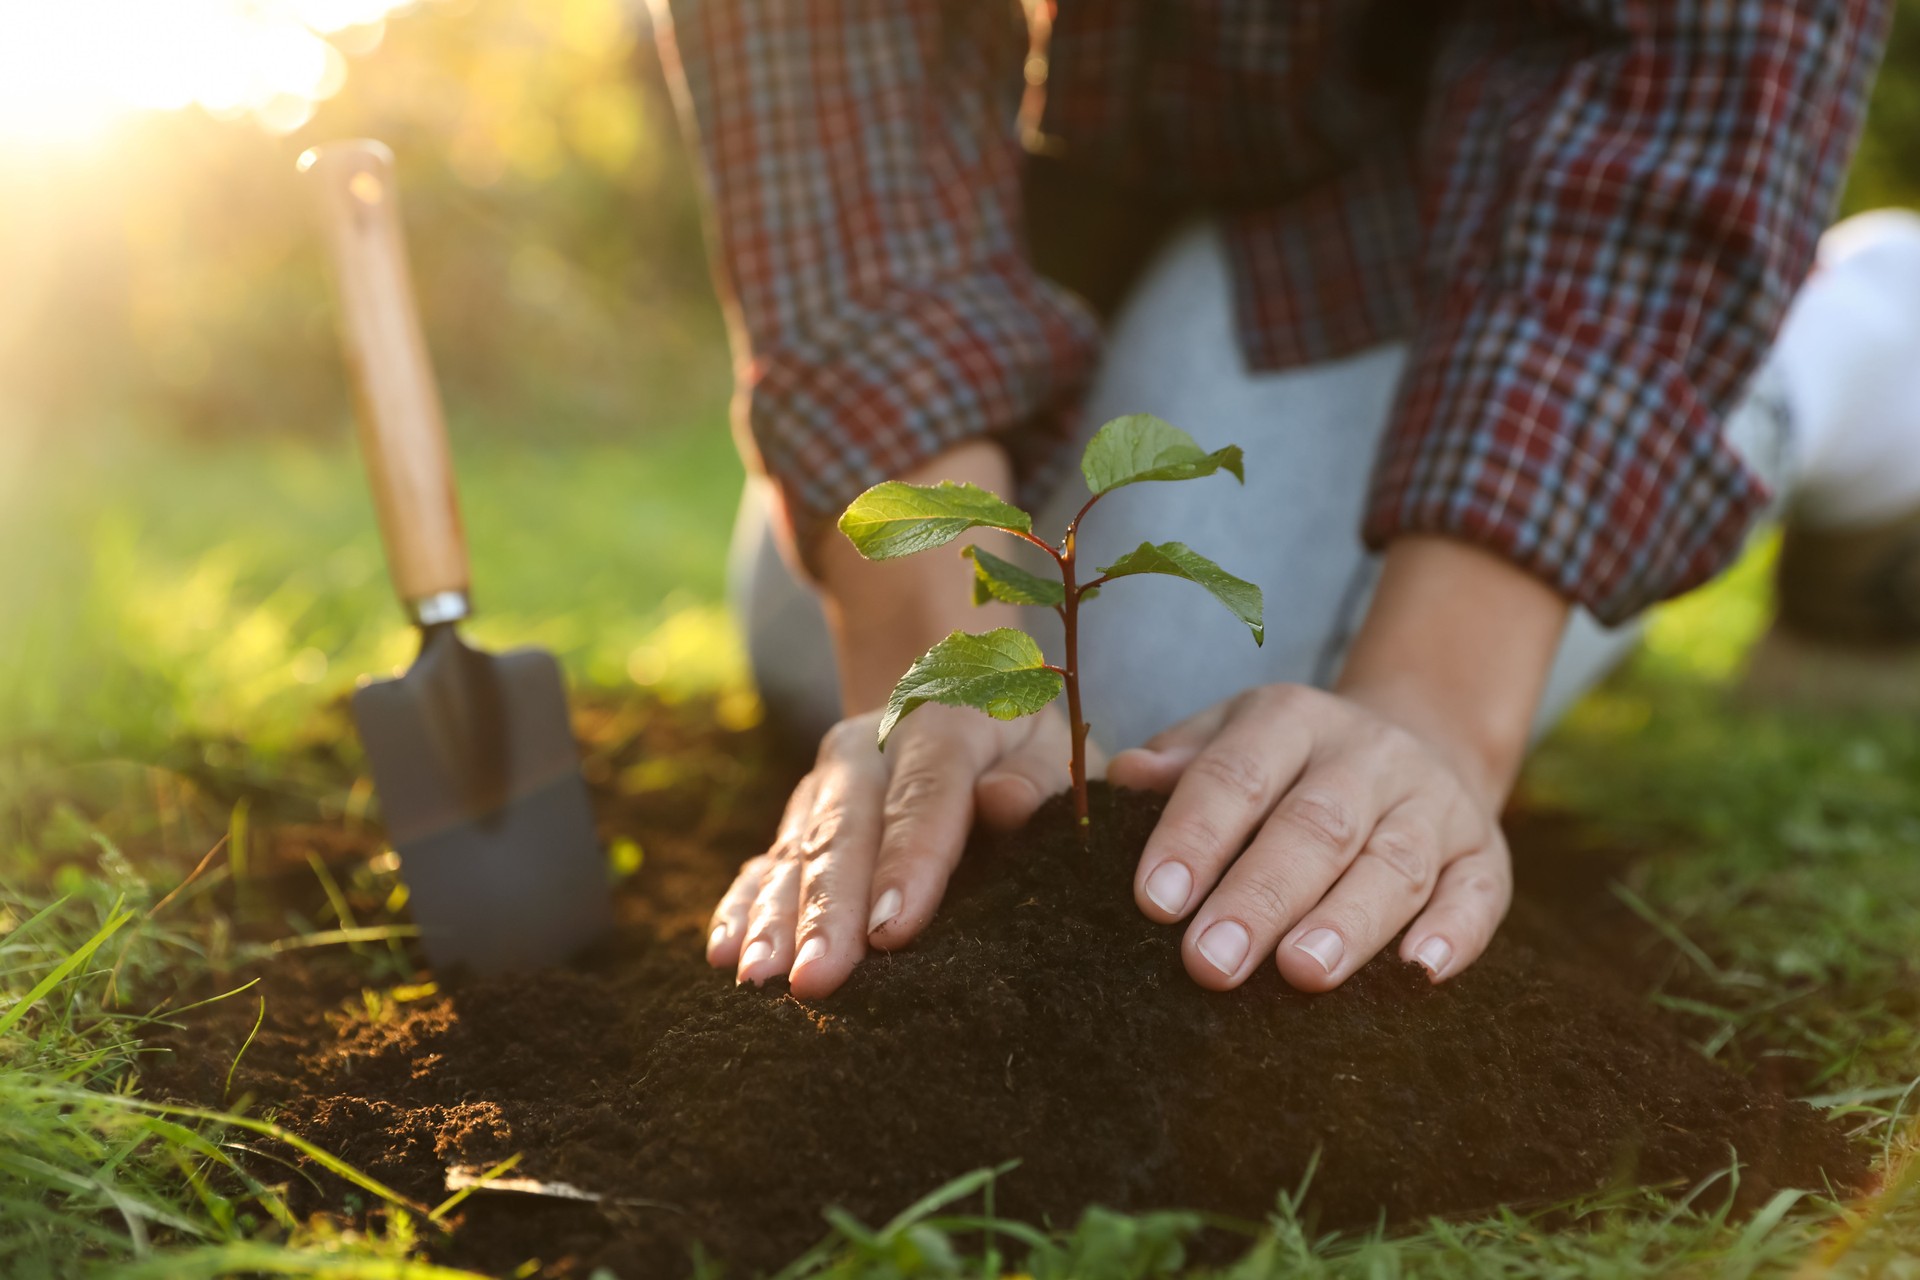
pixel 1002 672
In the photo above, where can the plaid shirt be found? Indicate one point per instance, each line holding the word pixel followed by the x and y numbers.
pixel 1586 218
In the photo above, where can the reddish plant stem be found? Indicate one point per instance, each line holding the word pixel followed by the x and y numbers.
pixel 1038 542
pixel 1070 626
pixel 1076 724
pixel 1069 671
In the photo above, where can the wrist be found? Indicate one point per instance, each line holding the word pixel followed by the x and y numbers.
pixel 884 614
pixel 1455 648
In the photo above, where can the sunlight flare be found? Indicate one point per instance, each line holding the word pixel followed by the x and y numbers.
pixel 71 69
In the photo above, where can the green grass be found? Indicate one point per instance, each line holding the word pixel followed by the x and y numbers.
pixel 1792 844
pixel 162 605
pixel 92 1177
pixel 151 594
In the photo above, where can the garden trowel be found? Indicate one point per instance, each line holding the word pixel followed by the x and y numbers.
pixel 473 754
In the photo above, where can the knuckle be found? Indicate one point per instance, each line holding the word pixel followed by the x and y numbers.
pixel 1196 838
pixel 1321 819
pixel 816 912
pixel 1405 856
pixel 1295 698
pixel 764 920
pixel 745 886
pixel 911 791
pixel 839 742
pixel 1233 773
pixel 1391 740
pixel 778 884
pixel 1270 699
pixel 816 871
pixel 1487 879
pixel 1265 896
pixel 818 839
pixel 1461 812
pixel 1356 925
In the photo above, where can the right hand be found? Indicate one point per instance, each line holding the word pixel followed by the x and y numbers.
pixel 869 840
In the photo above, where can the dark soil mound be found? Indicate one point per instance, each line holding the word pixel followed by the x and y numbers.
pixel 1041 1018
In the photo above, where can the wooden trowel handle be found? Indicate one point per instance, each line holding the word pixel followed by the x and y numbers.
pixel 403 437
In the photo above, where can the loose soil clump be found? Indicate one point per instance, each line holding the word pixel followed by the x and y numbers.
pixel 1040 1019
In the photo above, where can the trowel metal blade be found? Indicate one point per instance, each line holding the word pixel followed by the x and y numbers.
pixel 479 781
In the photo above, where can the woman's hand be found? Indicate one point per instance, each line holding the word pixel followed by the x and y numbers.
pixel 868 841
pixel 1304 826
pixel 1313 826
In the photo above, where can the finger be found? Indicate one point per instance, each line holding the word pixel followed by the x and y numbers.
pixel 727 931
pixel 929 808
pixel 769 947
pixel 1386 886
pixel 1021 780
pixel 1301 851
pixel 1156 764
pixel 1468 905
pixel 1221 799
pixel 836 854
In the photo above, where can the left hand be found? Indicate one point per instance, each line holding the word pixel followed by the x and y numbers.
pixel 1309 827
pixel 1312 826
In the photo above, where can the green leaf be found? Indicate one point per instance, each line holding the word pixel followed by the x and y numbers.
pixel 1140 447
pixel 1001 672
pixel 997 579
pixel 1177 560
pixel 895 518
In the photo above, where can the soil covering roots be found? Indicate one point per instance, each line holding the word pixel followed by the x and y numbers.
pixel 1041 1018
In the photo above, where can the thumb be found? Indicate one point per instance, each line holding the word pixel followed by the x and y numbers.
pixel 1145 769
pixel 1157 764
pixel 1018 782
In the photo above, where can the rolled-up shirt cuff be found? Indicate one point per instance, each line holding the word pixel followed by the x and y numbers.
pixel 874 391
pixel 1571 446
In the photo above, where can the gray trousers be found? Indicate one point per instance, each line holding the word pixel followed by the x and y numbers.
pixel 1155 650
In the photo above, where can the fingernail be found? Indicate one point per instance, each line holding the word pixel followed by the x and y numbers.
pixel 1225 945
pixel 1435 954
pixel 1169 886
pixel 1323 945
pixel 884 910
pixel 714 939
pixel 810 950
pixel 757 950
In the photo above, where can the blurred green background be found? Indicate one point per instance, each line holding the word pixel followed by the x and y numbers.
pixel 186 547
pixel 185 544
pixel 190 577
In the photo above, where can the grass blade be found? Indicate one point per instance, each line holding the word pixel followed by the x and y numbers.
pixel 233 1066
pixel 74 960
pixel 940 1197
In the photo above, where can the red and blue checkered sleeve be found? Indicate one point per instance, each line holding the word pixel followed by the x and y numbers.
pixel 862 165
pixel 1619 204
